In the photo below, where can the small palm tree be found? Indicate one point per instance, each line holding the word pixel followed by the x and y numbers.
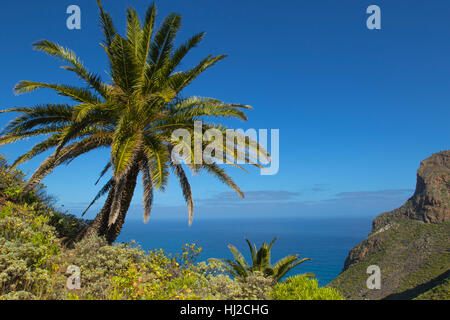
pixel 261 262
pixel 133 114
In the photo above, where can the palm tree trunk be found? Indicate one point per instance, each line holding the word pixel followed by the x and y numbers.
pixel 100 226
pixel 127 195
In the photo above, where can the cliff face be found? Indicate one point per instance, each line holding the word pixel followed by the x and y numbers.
pixel 411 244
pixel 431 200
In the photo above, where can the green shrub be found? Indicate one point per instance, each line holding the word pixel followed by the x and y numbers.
pixel 28 253
pixel 18 295
pixel 66 225
pixel 149 282
pixel 126 272
pixel 303 288
pixel 221 287
pixel 160 276
pixel 12 185
pixel 12 190
pixel 98 262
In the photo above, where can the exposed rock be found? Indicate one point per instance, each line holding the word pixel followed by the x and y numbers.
pixel 411 244
pixel 430 202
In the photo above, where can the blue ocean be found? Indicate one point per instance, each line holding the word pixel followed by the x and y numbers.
pixel 326 241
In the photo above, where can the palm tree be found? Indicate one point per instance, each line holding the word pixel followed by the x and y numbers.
pixel 260 262
pixel 133 115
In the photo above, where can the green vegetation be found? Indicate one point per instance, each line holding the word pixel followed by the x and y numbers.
pixel 36 251
pixel 29 252
pixel 439 292
pixel 302 288
pixel 134 114
pixel 260 262
pixel 409 244
pixel 411 255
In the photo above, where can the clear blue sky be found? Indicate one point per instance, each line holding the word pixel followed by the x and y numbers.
pixel 357 109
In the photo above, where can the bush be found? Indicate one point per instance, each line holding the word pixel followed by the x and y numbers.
pixel 126 272
pixel 67 226
pixel 29 250
pixel 98 263
pixel 303 288
pixel 221 287
pixel 149 282
pixel 12 191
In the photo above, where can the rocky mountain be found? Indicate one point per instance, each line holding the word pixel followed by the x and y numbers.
pixel 410 245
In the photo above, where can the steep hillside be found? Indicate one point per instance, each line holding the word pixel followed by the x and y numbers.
pixel 411 244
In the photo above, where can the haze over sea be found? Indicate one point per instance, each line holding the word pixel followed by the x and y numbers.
pixel 325 240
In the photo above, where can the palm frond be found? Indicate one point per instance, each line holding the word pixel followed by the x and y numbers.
pixel 238 257
pixel 124 152
pixel 163 40
pixel 134 30
pixel 77 94
pixel 283 266
pixel 184 49
pixel 39 148
pixel 220 174
pixel 107 25
pixel 124 66
pixel 186 188
pixel 68 55
pixel 252 250
pixel 180 80
pixel 196 107
pixel 157 157
pixel 41 115
pixel 103 172
pixel 14 137
pixel 100 194
pixel 101 139
pixel 147 33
